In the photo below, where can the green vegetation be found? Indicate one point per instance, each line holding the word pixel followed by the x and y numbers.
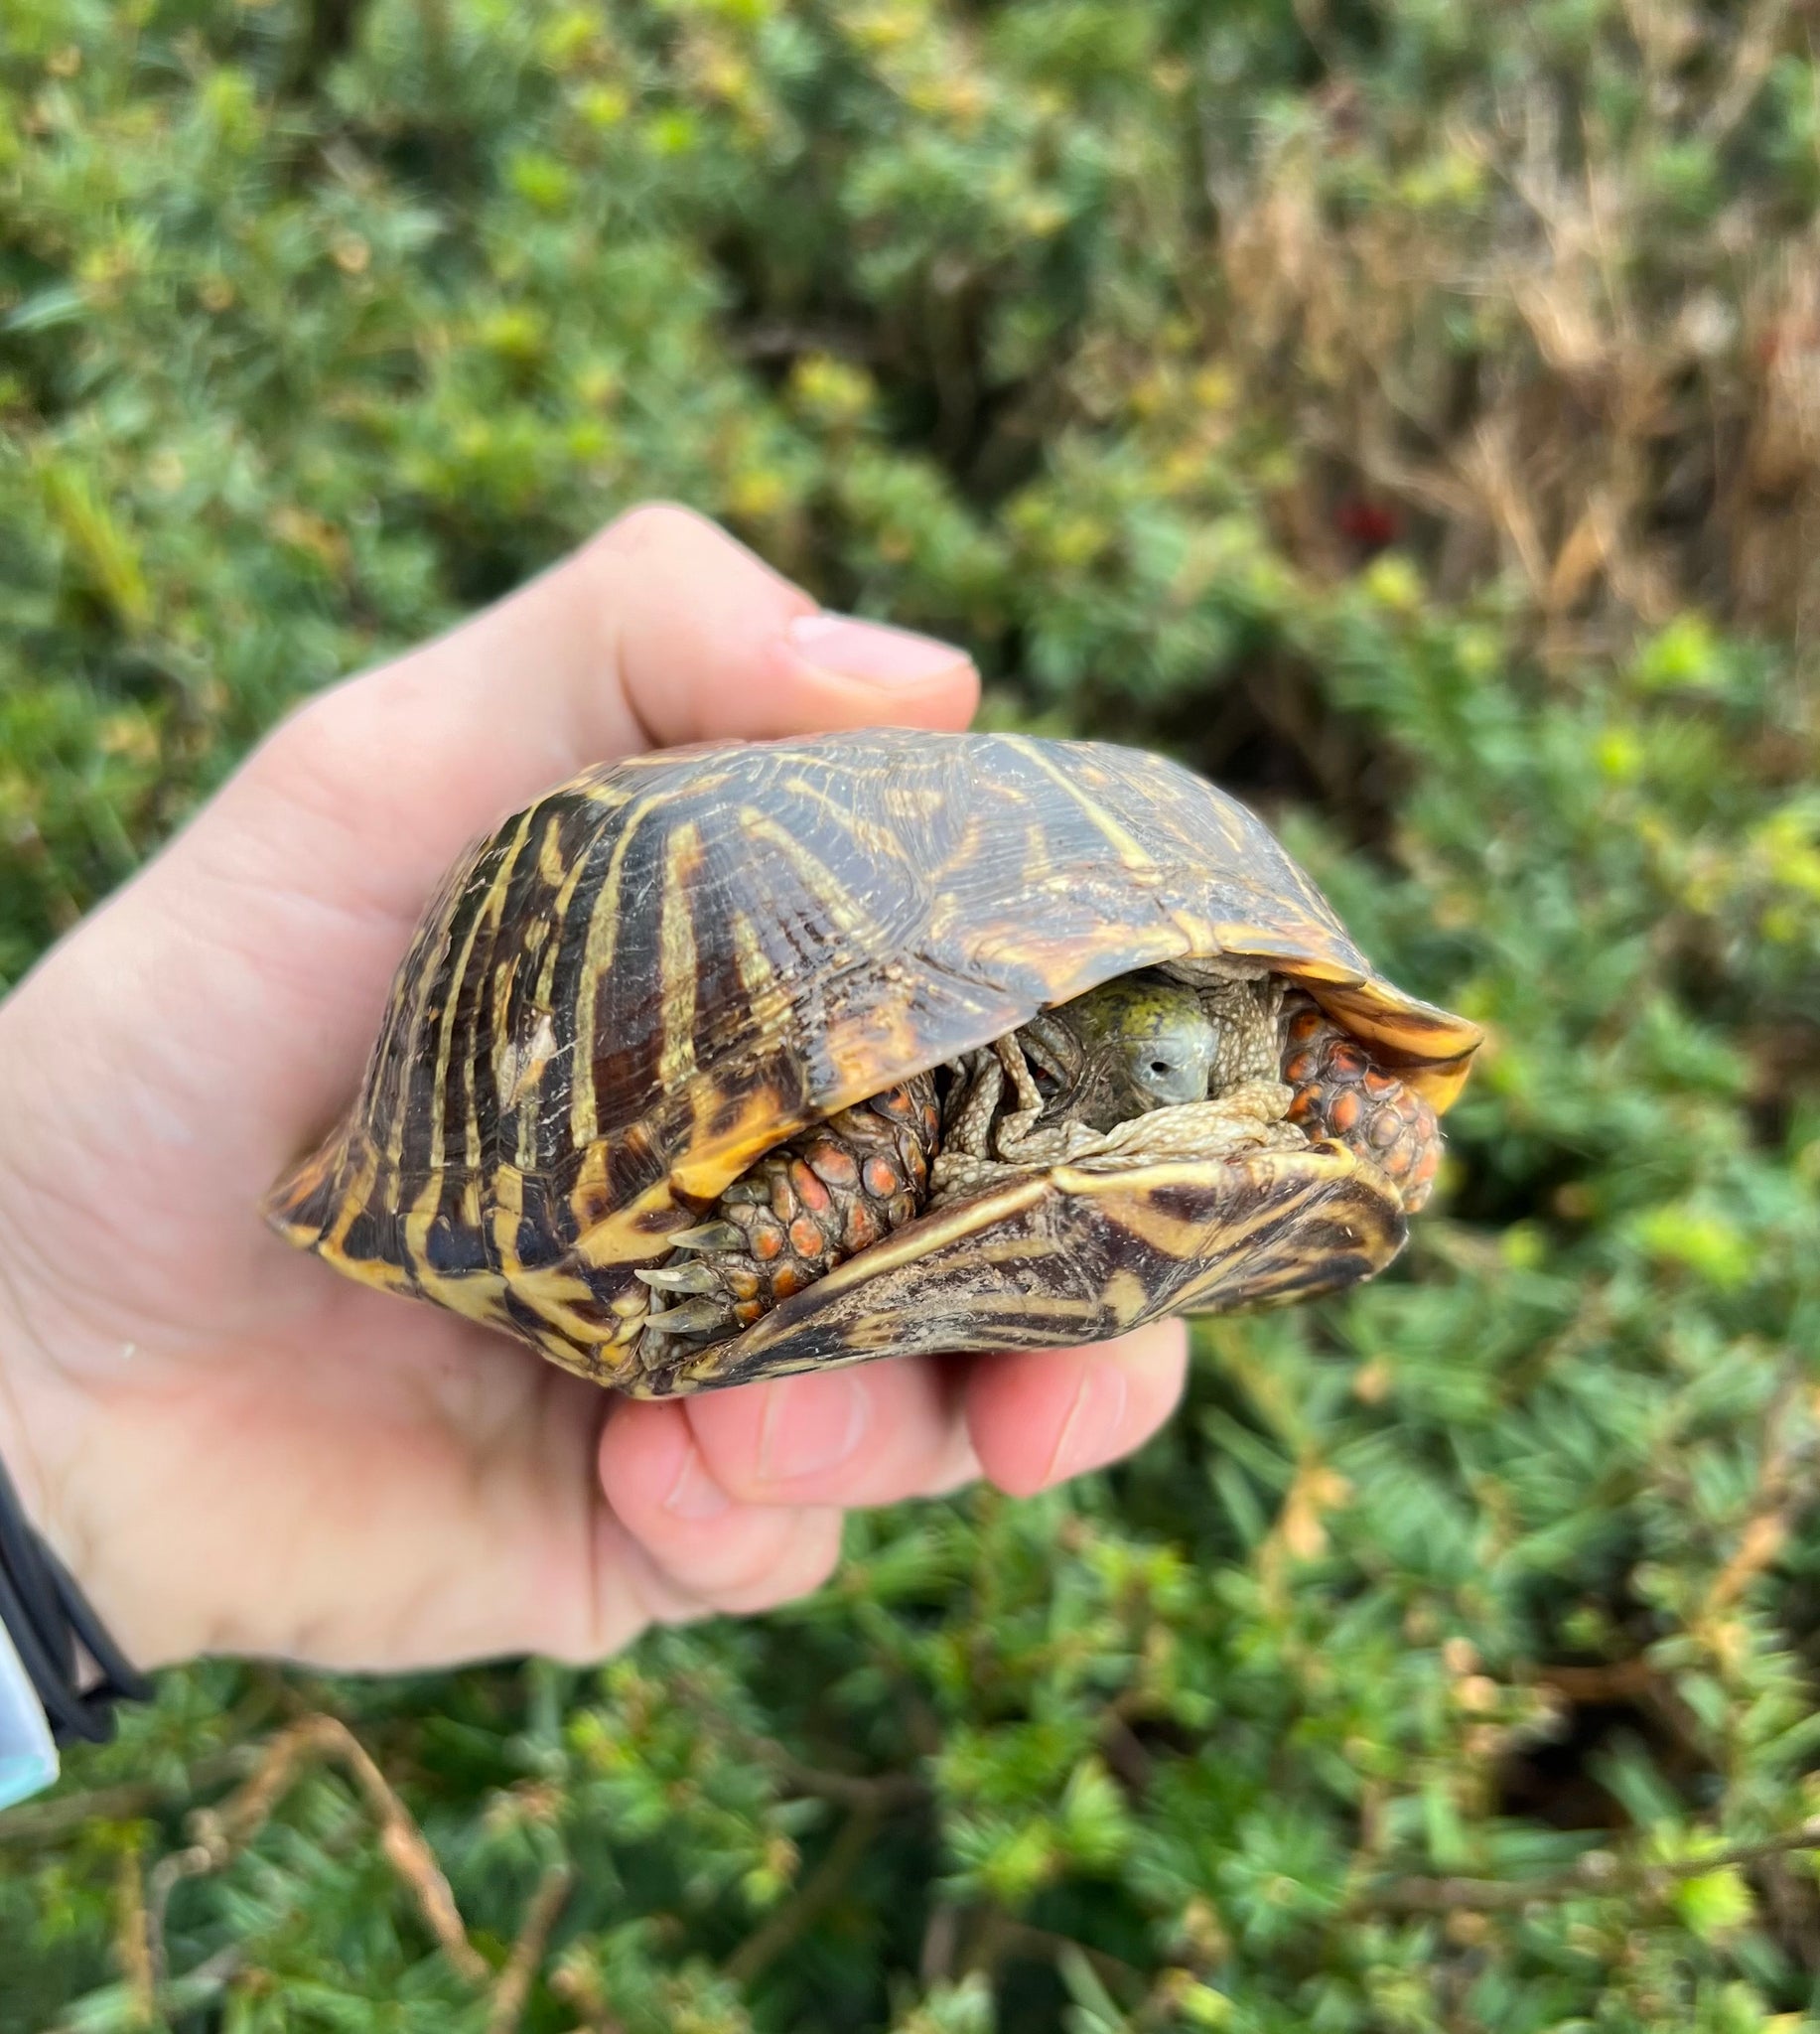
pixel 1409 414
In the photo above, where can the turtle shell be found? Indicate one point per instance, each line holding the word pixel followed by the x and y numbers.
pixel 659 971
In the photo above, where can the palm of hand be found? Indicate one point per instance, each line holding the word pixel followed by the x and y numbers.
pixel 237 1451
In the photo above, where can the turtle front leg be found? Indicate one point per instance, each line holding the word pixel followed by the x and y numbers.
pixel 1253 1116
pixel 972 1105
pixel 1342 1094
pixel 802 1209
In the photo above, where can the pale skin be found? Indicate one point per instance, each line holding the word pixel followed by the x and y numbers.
pixel 236 1451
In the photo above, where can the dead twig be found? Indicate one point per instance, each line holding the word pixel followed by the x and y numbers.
pixel 1003 1933
pixel 1596 1873
pixel 1784 1488
pixel 941 1945
pixel 1753 53
pixel 882 1790
pixel 200 1985
pixel 1614 1682
pixel 513 1989
pixel 48 1822
pixel 221 1835
pixel 820 1889
pixel 131 1944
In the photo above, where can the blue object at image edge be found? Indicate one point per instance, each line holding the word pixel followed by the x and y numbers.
pixel 28 1755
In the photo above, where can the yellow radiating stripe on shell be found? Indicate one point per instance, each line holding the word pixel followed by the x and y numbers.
pixel 1015 1249
pixel 597 959
pixel 563 1301
pixel 507 1210
pixel 1132 853
pixel 814 794
pixel 763 987
pixel 714 1161
pixel 872 1047
pixel 882 840
pixel 588 1197
pixel 550 864
pixel 601 786
pixel 422 1211
pixel 1124 1296
pixel 358 1196
pixel 527 1086
pixel 536 1056
pixel 625 1237
pixel 1171 1236
pixel 677 963
pixel 845 913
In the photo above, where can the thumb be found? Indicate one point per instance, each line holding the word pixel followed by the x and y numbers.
pixel 709 643
pixel 662 629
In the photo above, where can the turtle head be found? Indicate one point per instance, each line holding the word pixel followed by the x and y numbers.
pixel 1152 1037
pixel 1134 1044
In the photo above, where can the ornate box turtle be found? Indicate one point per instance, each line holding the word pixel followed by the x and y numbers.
pixel 753 1056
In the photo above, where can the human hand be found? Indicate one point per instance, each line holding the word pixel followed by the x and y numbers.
pixel 235 1450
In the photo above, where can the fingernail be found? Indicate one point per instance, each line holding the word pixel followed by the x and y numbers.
pixel 1093 1418
pixel 812 1424
pixel 872 652
pixel 695 1494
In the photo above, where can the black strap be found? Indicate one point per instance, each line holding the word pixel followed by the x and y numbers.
pixel 47 1615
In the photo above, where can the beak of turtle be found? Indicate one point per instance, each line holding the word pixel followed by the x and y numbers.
pixel 1167 1071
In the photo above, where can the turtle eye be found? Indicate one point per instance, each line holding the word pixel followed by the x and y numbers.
pixel 1166 1074
pixel 1048 1081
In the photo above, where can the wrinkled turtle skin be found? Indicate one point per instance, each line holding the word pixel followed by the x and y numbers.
pixel 742 1059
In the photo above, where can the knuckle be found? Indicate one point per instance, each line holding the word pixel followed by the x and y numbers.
pixel 305 756
pixel 771 1574
pixel 655 525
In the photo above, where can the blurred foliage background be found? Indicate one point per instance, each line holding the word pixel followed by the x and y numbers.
pixel 1408 413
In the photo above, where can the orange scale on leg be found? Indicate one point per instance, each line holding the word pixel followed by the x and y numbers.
pixel 833 1166
pixel 898 1103
pixel 1343 1111
pixel 806 1239
pixel 809 1190
pixel 1383 1129
pixel 880 1178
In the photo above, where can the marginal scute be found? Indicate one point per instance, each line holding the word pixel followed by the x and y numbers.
pixel 655 973
pixel 1077 1256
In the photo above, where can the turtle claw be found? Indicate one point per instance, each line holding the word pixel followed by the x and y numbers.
pixel 680 1278
pixel 709 1235
pixel 693 1316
